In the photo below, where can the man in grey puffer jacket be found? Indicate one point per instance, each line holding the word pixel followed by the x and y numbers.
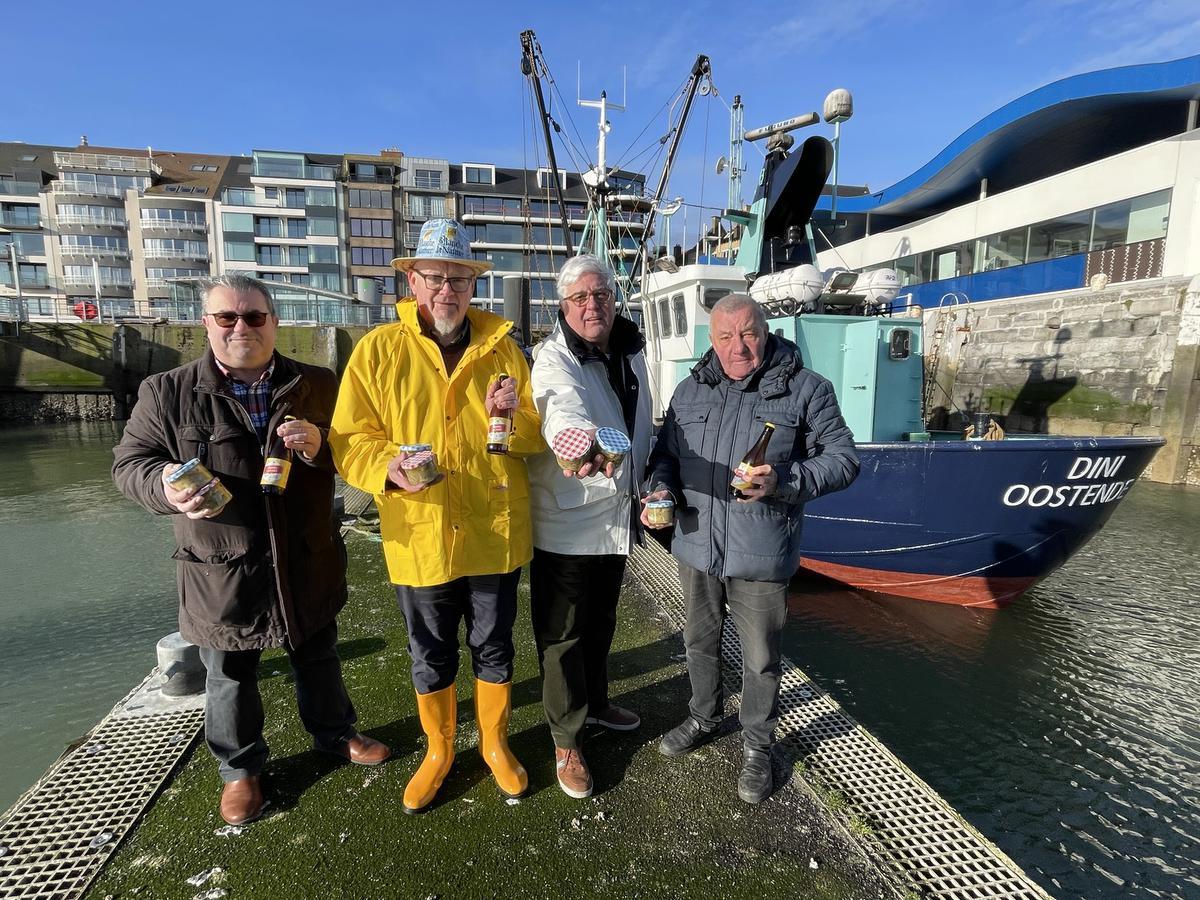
pixel 739 554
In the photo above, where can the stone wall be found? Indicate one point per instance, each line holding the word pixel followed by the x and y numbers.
pixel 56 371
pixel 1083 362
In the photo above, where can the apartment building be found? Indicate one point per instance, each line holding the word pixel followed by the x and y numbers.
pixel 513 219
pixel 121 232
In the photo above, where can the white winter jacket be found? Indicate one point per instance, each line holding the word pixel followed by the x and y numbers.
pixel 590 516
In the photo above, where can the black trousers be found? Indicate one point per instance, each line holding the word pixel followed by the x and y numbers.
pixel 573 600
pixel 488 605
pixel 233 710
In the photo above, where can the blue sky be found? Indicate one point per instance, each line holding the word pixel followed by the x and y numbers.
pixel 229 77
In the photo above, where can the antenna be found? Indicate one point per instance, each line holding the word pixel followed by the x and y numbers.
pixel 721 164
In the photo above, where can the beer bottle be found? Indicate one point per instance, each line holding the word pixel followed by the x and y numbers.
pixel 499 425
pixel 278 463
pixel 756 456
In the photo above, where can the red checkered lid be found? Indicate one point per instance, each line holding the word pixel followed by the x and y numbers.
pixel 571 443
pixel 613 441
pixel 420 458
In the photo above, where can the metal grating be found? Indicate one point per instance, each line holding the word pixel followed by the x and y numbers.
pixel 917 834
pixel 59 834
pixel 356 501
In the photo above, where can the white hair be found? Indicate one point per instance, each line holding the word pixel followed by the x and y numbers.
pixel 577 267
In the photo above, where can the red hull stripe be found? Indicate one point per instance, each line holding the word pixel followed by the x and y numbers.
pixel 959 590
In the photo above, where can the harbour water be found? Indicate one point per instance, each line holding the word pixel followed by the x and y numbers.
pixel 1064 728
pixel 87 590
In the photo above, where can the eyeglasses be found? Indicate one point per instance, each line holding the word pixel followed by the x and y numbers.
pixel 435 280
pixel 601 295
pixel 255 318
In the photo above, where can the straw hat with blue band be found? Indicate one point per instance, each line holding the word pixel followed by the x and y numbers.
pixel 442 240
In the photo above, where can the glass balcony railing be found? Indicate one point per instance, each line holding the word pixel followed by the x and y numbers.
pixel 77 250
pixel 101 221
pixel 86 189
pixel 11 220
pixel 172 224
pixel 170 253
pixel 11 188
pixel 107 162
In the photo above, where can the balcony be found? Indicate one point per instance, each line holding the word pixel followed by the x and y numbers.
pixel 166 253
pixel 10 188
pixel 85 251
pixel 88 281
pixel 172 225
pixel 98 221
pixel 109 162
pixel 9 220
pixel 83 189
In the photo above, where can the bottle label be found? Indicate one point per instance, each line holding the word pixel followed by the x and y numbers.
pixel 499 430
pixel 276 472
pixel 741 477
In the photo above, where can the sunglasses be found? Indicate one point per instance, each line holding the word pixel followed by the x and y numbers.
pixel 255 318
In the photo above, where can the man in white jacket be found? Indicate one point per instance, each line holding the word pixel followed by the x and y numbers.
pixel 589 374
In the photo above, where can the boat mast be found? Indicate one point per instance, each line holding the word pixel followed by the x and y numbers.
pixel 597 224
pixel 532 65
pixel 700 71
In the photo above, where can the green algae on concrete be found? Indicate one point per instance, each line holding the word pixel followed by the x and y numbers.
pixel 656 826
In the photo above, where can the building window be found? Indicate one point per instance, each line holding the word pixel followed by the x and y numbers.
pixel 35 244
pixel 362 198
pixel 321 226
pixel 239 251
pixel 240 222
pixel 544 179
pixel 200 167
pixel 479 174
pixel 412 231
pixel 369 256
pixel 22 214
pixel 32 274
pixel 239 196
pixel 1060 237
pixel 430 207
pixel 270 255
pixel 371 227
pixel 326 281
pixel 160 247
pixel 319 197
pixel 430 179
pixel 265 226
pixel 296 256
pixel 323 253
pixel 297 228
pixel 293 198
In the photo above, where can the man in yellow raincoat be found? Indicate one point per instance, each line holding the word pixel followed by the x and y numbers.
pixel 454 546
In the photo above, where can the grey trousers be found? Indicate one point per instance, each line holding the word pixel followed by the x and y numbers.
pixel 759 610
pixel 233 710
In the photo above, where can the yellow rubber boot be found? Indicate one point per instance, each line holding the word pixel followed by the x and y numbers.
pixel 437 712
pixel 493 703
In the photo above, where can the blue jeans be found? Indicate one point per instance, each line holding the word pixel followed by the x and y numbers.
pixel 759 610
pixel 233 710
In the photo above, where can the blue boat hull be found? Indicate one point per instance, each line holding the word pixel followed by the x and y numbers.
pixel 973 523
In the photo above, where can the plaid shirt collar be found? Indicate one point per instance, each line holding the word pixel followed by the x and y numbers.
pixel 255 398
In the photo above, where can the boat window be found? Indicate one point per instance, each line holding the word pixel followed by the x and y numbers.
pixel 664 318
pixel 648 322
pixel 680 310
pixel 712 295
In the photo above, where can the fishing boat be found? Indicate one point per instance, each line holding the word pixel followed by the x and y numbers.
pixel 970 518
pixel 935 516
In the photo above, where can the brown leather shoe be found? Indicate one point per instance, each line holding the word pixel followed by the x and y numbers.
pixel 360 750
pixel 242 800
pixel 573 775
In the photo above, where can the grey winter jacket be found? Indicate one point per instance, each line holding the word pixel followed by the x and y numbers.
pixel 709 427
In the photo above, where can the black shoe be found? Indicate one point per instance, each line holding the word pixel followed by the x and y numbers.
pixel 685 738
pixel 755 782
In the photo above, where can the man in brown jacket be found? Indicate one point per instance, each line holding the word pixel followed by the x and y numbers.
pixel 263 570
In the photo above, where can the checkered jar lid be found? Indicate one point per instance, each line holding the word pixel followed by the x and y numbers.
pixel 571 443
pixel 613 441
pixel 418 459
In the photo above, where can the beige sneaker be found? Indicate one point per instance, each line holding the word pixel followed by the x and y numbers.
pixel 573 775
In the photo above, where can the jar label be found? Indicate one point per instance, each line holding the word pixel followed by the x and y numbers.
pixel 276 471
pixel 741 477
